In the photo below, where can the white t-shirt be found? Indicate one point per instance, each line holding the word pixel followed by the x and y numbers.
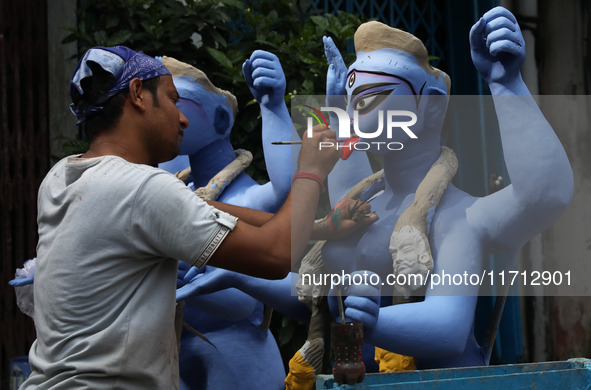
pixel 110 234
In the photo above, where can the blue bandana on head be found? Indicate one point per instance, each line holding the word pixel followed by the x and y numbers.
pixel 123 63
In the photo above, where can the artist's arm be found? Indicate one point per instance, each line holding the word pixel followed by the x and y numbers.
pixel 267 250
pixel 345 218
pixel 248 215
pixel 541 176
pixel 266 80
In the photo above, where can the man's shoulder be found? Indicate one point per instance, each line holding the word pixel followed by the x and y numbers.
pixel 106 173
pixel 113 167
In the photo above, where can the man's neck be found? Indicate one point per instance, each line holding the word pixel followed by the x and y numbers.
pixel 123 140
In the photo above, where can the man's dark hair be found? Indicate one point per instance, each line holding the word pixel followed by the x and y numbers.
pixel 95 87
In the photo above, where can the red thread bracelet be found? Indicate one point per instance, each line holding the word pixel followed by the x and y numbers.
pixel 311 176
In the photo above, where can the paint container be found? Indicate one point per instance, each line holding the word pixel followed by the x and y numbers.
pixel 347 347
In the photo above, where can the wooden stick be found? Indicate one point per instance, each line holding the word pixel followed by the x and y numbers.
pixel 341 308
pixel 286 143
pixel 292 142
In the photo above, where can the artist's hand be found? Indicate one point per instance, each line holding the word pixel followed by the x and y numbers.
pixel 497 47
pixel 319 153
pixel 347 217
pixel 265 78
pixel 205 280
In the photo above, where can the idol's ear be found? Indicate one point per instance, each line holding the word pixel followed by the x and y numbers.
pixel 434 90
pixel 434 102
pixel 221 120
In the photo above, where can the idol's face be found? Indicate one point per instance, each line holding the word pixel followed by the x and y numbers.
pixel 377 103
pixel 200 125
pixel 203 110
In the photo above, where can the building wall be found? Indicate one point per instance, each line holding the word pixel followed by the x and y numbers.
pixel 24 158
pixel 34 72
pixel 559 328
pixel 62 61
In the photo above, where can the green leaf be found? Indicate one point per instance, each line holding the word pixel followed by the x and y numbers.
pixel 309 58
pixel 218 37
pixel 100 38
pixel 112 20
pixel 120 37
pixel 320 21
pixel 219 57
pixel 235 3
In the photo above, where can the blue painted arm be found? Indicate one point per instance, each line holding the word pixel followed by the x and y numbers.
pixel 227 303
pixel 266 80
pixel 440 325
pixel 541 176
pixel 275 293
pixel 437 327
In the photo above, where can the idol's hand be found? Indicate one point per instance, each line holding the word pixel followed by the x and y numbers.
pixel 336 77
pixel 347 217
pixel 363 299
pixel 497 47
pixel 362 302
pixel 265 78
pixel 187 280
pixel 205 280
pixel 25 275
pixel 22 281
pixel 363 309
pixel 187 273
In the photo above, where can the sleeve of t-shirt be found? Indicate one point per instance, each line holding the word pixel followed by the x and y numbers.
pixel 169 220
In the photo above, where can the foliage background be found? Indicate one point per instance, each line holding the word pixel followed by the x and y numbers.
pixel 217 36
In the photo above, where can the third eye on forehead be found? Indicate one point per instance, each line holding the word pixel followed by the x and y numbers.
pixel 359 82
pixel 367 90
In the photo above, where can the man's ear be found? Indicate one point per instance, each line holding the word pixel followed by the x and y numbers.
pixel 137 94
